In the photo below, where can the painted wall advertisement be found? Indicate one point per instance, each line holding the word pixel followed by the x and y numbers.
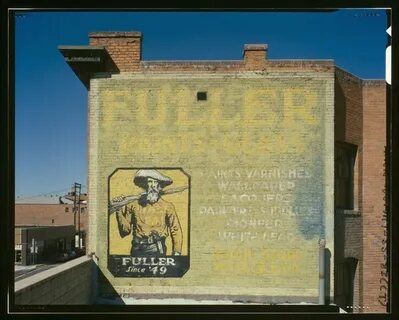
pixel 228 195
pixel 155 216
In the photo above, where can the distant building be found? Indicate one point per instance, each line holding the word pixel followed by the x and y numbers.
pixel 40 244
pixel 53 215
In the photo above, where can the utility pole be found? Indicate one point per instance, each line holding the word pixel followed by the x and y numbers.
pixel 33 250
pixel 76 191
pixel 80 245
pixel 73 193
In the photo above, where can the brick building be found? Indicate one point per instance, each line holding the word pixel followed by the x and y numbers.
pixel 302 141
pixel 51 214
pixel 360 135
pixel 42 244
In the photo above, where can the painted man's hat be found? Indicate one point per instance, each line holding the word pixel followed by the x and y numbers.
pixel 140 178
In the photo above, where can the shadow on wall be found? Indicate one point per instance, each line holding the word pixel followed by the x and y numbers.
pixel 327 270
pixel 339 112
pixel 104 290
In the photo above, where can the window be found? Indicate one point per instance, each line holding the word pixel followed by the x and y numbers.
pixel 344 175
pixel 66 209
pixel 202 96
pixel 18 256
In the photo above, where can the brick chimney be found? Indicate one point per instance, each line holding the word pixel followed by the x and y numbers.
pixel 123 47
pixel 255 56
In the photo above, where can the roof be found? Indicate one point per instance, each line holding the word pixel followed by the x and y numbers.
pixel 36 227
pixel 42 199
pixel 85 60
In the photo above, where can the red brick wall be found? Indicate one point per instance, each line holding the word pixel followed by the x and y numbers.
pixel 255 56
pixel 374 133
pixel 360 119
pixel 349 123
pixel 125 51
pixel 42 214
pixel 349 129
pixel 123 47
pixel 238 65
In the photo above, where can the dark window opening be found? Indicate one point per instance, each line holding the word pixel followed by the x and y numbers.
pixel 345 155
pixel 18 256
pixel 61 245
pixel 66 209
pixel 350 266
pixel 202 96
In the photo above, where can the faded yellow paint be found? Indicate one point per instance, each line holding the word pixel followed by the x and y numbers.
pixel 258 103
pixel 274 262
pixel 110 99
pixel 299 107
pixel 249 123
pixel 260 111
pixel 156 116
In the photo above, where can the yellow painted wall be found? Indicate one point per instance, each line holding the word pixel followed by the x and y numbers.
pixel 121 184
pixel 260 155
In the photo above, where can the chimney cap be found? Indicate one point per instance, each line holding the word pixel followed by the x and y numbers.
pixel 255 47
pixel 115 34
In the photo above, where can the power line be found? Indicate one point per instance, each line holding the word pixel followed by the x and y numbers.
pixel 55 193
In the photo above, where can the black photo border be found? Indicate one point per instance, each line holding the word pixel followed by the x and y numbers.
pixel 7 178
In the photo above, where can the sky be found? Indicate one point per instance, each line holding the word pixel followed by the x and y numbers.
pixel 51 102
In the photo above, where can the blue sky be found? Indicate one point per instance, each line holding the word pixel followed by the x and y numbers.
pixel 51 102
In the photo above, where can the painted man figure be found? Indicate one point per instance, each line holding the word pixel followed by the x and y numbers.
pixel 151 219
